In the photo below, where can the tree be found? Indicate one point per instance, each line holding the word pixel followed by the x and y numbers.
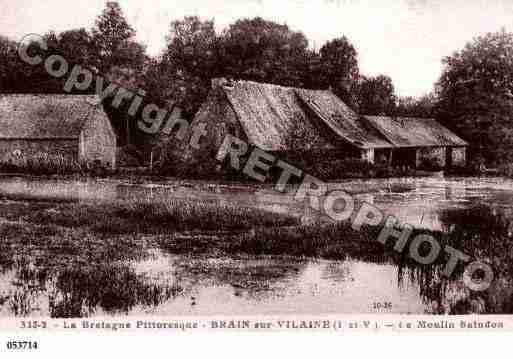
pixel 19 77
pixel 423 107
pixel 120 59
pixel 189 63
pixel 476 98
pixel 339 69
pixel 264 51
pixel 191 45
pixel 114 38
pixel 7 63
pixel 312 77
pixel 376 95
pixel 77 47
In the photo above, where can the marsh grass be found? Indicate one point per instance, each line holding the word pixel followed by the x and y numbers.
pixel 80 291
pixel 79 244
pixel 184 215
pixel 335 241
pixel 42 164
pixel 481 230
pixel 484 233
pixel 77 253
pixel 21 303
pixel 80 272
pixel 147 216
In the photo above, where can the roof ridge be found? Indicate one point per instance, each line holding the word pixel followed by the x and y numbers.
pixel 256 83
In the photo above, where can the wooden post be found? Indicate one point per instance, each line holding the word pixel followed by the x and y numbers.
pixel 128 130
pixel 114 153
pixel 151 161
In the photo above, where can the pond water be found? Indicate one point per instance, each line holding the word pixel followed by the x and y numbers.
pixel 229 286
pixel 164 283
pixel 416 201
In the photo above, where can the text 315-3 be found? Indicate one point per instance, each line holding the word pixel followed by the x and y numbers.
pixel 34 324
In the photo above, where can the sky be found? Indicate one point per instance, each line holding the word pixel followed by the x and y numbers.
pixel 404 39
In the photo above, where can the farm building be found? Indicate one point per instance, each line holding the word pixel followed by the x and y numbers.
pixel 73 127
pixel 295 123
pixel 285 120
pixel 419 141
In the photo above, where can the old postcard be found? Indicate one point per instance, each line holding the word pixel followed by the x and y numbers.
pixel 253 165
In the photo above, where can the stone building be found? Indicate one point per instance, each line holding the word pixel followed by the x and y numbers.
pixel 73 127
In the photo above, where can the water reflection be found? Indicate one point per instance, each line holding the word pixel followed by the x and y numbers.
pixel 77 291
pixel 166 284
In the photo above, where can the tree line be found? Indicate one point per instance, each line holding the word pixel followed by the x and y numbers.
pixel 473 95
pixel 249 49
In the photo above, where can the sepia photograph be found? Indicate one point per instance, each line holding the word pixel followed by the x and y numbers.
pixel 255 165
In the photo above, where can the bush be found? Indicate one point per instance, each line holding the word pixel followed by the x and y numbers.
pixel 330 165
pixel 430 164
pixel 462 171
pixel 342 168
pixel 129 156
pixel 506 169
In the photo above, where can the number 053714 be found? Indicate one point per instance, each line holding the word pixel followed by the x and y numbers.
pixel 21 345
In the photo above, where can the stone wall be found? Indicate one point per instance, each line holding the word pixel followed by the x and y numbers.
pixel 98 141
pixel 431 155
pixel 219 120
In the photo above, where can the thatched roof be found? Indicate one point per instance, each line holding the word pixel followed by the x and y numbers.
pixel 342 120
pixel 415 132
pixel 277 118
pixel 268 114
pixel 46 116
